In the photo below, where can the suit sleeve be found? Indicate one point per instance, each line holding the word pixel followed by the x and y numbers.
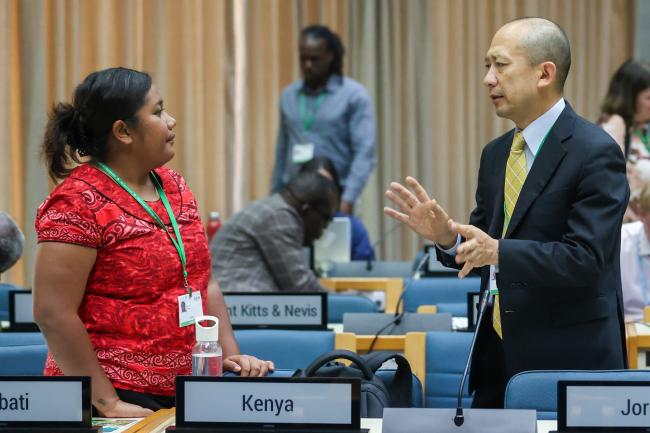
pixel 588 245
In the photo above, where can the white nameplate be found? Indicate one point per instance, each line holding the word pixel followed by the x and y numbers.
pixel 43 400
pixel 269 401
pixel 23 307
pixel 621 404
pixel 277 310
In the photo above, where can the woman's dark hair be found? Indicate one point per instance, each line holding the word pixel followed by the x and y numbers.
pixel 333 43
pixel 630 79
pixel 322 162
pixel 82 128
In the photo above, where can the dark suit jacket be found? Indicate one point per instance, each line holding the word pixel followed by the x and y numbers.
pixel 559 274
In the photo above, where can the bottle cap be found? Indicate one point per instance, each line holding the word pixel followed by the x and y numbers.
pixel 214 215
pixel 207 333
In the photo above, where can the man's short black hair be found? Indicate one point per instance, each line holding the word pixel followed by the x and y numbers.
pixel 313 189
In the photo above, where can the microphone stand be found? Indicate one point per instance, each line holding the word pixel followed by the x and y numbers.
pixel 459 419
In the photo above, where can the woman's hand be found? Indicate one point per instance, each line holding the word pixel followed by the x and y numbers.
pixel 122 409
pixel 247 365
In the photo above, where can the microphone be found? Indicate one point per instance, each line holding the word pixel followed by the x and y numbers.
pixel 459 419
pixel 382 238
pixel 397 318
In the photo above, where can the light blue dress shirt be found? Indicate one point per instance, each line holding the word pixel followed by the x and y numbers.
pixel 343 130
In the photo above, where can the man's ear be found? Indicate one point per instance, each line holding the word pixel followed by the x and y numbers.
pixel 122 132
pixel 547 74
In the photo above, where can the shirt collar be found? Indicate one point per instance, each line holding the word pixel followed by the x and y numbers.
pixel 535 133
pixel 332 85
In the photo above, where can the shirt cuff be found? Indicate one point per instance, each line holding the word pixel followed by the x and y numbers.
pixel 451 251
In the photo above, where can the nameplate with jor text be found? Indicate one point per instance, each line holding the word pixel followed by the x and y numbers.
pixel 277 310
pixel 603 404
pixel 36 402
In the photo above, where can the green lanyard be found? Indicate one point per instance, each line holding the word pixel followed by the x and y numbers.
pixel 309 118
pixel 506 219
pixel 178 241
pixel 644 138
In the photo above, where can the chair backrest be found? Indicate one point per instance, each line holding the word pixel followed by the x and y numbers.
pixel 538 389
pixel 440 291
pixel 374 269
pixel 22 353
pixel 21 338
pixel 337 305
pixel 446 355
pixel 288 349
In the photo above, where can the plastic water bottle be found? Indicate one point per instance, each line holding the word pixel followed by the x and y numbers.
pixel 207 357
pixel 213 226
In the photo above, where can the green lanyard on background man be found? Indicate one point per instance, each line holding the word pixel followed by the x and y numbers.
pixel 308 118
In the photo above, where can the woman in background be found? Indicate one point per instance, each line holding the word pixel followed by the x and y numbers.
pixel 122 249
pixel 625 115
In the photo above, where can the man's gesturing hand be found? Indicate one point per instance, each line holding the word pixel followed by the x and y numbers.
pixel 479 249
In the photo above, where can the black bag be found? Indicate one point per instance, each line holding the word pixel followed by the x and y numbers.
pixel 375 393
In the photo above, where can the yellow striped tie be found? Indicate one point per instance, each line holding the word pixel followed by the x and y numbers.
pixel 515 177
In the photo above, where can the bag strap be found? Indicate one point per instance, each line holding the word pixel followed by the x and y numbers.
pixel 402 386
pixel 317 363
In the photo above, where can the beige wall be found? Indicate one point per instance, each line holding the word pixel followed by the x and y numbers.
pixel 221 64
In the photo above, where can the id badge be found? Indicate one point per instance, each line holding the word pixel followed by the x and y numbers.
pixel 189 308
pixel 302 153
pixel 494 290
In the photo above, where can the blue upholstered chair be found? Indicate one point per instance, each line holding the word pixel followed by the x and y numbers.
pixel 449 294
pixel 438 359
pixel 22 353
pixel 287 349
pixel 21 338
pixel 374 269
pixel 538 389
pixel 337 305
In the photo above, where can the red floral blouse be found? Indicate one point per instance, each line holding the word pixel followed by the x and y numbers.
pixel 130 304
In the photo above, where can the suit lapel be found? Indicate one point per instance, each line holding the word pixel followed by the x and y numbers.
pixel 547 160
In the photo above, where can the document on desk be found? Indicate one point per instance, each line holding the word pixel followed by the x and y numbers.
pixel 115 425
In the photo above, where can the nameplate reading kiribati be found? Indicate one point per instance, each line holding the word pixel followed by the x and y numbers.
pixel 277 310
pixel 251 402
pixel 58 403
pixel 601 404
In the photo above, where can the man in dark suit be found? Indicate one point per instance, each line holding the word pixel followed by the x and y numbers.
pixel 545 233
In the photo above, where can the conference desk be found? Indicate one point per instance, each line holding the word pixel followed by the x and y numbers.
pixel 374 425
pixel 391 286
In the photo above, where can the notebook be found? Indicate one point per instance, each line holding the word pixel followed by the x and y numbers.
pixel 213 404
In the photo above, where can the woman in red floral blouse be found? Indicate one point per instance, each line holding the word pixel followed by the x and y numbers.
pixel 109 278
